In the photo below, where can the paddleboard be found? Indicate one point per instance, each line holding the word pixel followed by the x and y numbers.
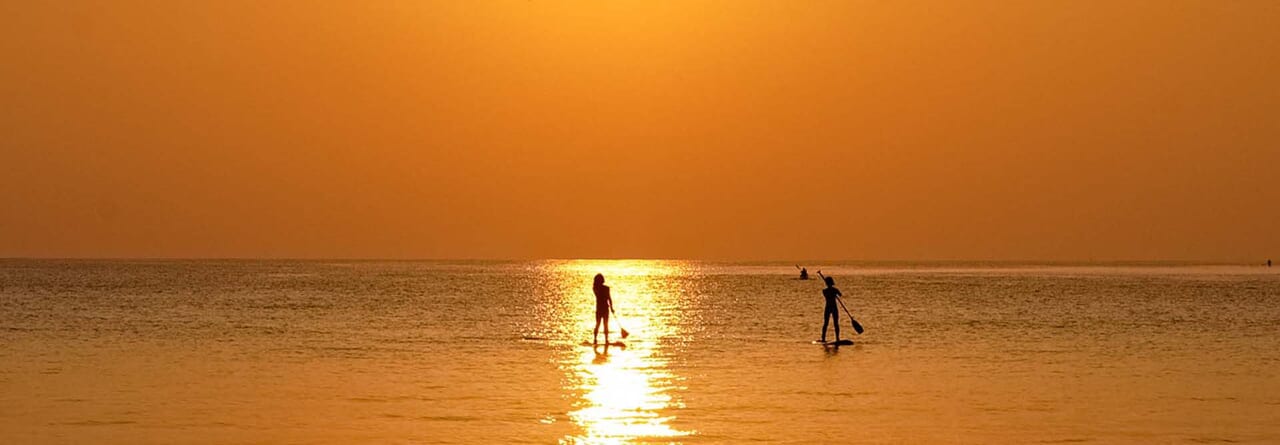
pixel 616 344
pixel 834 343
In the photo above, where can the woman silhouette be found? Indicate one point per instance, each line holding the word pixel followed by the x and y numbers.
pixel 831 293
pixel 603 302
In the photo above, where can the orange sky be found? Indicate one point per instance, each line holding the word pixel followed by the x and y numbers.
pixel 717 130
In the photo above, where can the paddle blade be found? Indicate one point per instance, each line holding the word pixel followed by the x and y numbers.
pixel 626 334
pixel 856 327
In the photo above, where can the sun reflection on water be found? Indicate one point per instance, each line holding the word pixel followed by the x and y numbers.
pixel 625 394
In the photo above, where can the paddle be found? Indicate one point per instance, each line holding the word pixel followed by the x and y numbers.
pixel 856 326
pixel 620 328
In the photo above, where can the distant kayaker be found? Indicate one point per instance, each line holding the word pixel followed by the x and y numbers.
pixel 804 273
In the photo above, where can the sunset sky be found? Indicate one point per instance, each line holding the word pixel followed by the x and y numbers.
pixel 1008 130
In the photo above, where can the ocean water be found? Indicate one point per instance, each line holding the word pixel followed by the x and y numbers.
pixel 341 352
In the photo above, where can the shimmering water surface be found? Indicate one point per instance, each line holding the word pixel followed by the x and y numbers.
pixel 137 352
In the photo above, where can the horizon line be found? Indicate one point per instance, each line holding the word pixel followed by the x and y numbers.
pixel 796 262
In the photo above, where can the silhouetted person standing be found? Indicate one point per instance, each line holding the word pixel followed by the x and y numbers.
pixel 829 313
pixel 603 302
pixel 1268 263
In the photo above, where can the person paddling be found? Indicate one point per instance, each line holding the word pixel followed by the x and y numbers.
pixel 804 273
pixel 604 302
pixel 829 312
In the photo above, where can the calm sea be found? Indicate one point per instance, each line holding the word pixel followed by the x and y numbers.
pixel 337 352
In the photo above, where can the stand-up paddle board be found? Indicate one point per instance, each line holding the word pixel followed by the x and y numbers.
pixel 834 343
pixel 616 344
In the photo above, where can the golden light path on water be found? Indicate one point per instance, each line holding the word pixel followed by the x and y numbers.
pixel 625 394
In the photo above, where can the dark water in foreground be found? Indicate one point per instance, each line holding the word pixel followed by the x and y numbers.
pixel 423 352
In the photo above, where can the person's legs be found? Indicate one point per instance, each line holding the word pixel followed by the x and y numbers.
pixel 835 319
pixel 606 328
pixel 824 325
pixel 595 335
